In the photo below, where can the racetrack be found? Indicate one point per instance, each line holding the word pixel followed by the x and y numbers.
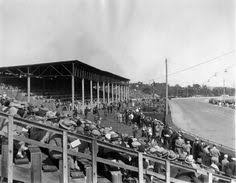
pixel 205 120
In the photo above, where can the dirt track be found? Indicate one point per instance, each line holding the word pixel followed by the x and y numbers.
pixel 206 120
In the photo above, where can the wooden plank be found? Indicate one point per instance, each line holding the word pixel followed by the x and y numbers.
pixel 167 171
pixel 65 158
pixel 94 160
pixel 36 164
pixel 10 151
pixel 117 148
pixel 89 172
pixel 154 159
pixel 4 158
pixel 140 167
pixel 116 177
pixel 210 178
pixel 111 163
pixel 56 148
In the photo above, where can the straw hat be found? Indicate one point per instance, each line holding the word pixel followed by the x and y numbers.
pixel 67 123
pixel 189 159
pixel 114 136
pixel 36 109
pixel 50 114
pixel 96 133
pixel 92 127
pixel 14 104
pixel 108 136
pixel 172 156
pixel 13 110
pixel 136 144
pixel 234 159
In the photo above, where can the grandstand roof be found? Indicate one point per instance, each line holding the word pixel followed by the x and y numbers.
pixel 61 69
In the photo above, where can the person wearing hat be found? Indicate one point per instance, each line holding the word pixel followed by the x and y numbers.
pixel 187 147
pixel 215 153
pixel 56 140
pixel 214 166
pixel 135 129
pixel 179 144
pixel 196 148
pixel 224 163
pixel 231 168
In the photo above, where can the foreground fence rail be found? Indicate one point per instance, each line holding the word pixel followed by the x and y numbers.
pixel 9 171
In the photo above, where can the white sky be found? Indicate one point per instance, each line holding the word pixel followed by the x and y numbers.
pixel 131 38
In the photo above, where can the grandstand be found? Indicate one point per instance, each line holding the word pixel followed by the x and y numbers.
pixel 66 80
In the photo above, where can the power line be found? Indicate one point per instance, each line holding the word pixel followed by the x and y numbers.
pixel 226 69
pixel 205 62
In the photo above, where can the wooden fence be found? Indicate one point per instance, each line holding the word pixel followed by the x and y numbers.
pixel 9 171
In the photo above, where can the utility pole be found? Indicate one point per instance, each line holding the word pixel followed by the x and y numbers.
pixel 153 90
pixel 224 90
pixel 166 90
pixel 187 91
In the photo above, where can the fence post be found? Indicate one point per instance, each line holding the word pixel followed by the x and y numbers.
pixel 140 167
pixel 4 168
pixel 36 164
pixel 116 177
pixel 94 160
pixel 65 159
pixel 209 177
pixel 89 176
pixel 167 171
pixel 10 151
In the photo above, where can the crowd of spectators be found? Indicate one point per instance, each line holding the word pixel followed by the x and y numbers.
pixel 223 102
pixel 156 137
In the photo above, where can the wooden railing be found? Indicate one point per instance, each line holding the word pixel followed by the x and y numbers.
pixel 8 170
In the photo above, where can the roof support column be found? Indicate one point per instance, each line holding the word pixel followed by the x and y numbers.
pixel 112 93
pixel 108 92
pixel 121 94
pixel 128 92
pixel 91 92
pixel 126 89
pixel 28 85
pixel 98 93
pixel 82 95
pixel 116 93
pixel 123 90
pixel 103 92
pixel 73 87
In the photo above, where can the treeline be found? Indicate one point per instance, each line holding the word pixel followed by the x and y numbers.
pixel 178 91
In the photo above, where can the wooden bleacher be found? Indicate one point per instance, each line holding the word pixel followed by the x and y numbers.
pixel 33 171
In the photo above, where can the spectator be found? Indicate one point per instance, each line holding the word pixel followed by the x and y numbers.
pixel 214 166
pixel 179 143
pixel 224 163
pixel 196 149
pixel 231 170
pixel 86 112
pixel 187 147
pixel 215 153
pixel 135 130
